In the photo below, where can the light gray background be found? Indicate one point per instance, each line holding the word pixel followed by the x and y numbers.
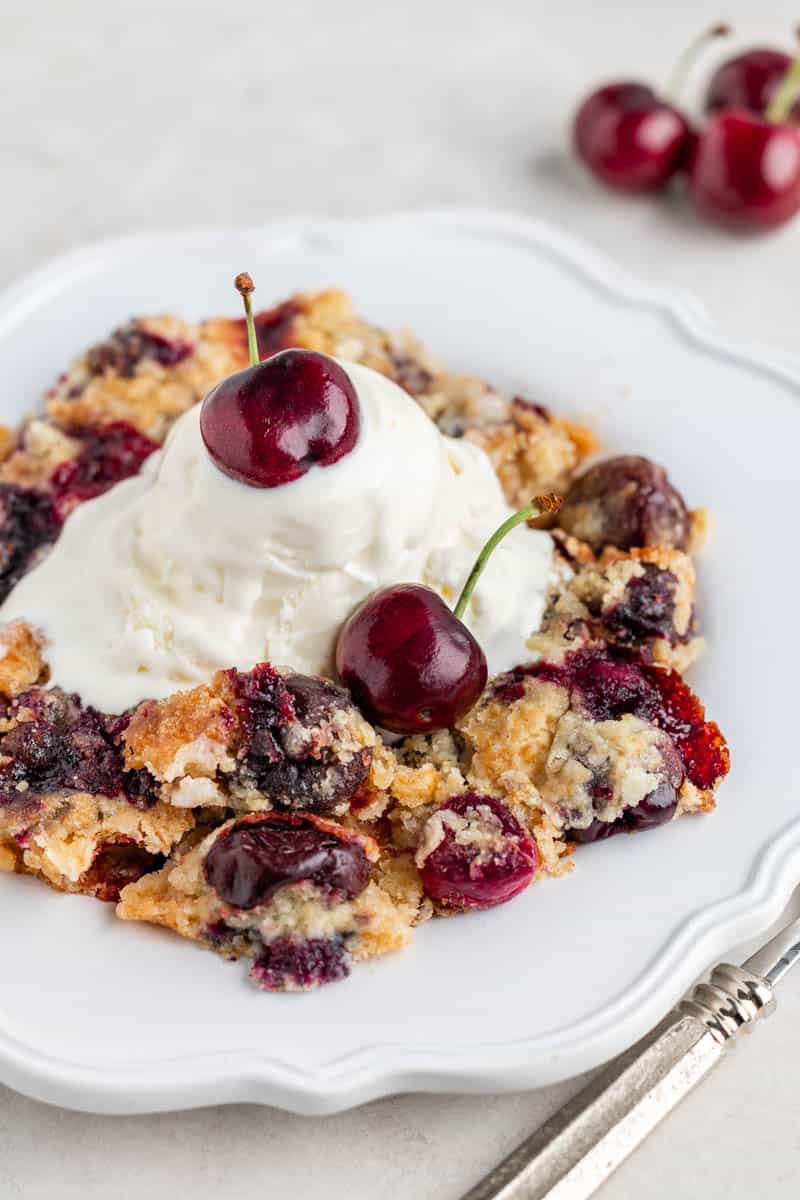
pixel 146 114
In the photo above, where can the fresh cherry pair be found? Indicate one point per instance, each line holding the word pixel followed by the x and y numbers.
pixel 743 168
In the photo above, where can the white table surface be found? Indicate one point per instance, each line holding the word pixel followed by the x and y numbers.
pixel 162 113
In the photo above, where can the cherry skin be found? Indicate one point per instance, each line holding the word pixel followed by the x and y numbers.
pixel 630 138
pixel 411 665
pixel 749 81
pixel 745 171
pixel 269 424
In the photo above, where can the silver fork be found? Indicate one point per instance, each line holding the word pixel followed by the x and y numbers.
pixel 573 1153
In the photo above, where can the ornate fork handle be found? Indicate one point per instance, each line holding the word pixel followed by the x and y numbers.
pixel 579 1147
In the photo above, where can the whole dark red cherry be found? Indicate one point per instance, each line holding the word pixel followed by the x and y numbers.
pixel 745 167
pixel 745 171
pixel 269 424
pixel 411 665
pixel 630 137
pixel 409 661
pixel 272 422
pixel 749 81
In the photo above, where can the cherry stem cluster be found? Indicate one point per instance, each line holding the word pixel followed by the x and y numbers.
pixel 538 507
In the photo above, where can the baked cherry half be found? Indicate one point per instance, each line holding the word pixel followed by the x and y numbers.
pixel 269 424
pixel 474 853
pixel 258 855
pixel 625 501
pixel 630 137
pixel 409 661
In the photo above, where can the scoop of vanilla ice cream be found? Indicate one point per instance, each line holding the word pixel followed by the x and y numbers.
pixel 181 570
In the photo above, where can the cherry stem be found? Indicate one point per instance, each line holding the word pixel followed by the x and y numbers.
pixel 680 72
pixel 786 93
pixel 537 508
pixel 245 287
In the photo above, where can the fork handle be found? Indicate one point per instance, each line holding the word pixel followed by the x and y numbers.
pixel 574 1152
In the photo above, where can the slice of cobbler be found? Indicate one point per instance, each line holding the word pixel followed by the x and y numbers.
pixel 293 892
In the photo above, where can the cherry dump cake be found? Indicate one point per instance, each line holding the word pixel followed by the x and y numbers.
pixel 307 639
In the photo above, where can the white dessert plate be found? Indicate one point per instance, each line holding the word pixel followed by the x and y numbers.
pixel 111 1017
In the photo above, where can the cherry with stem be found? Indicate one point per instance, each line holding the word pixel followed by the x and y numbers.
pixel 745 167
pixel 271 423
pixel 750 81
pixel 410 662
pixel 786 94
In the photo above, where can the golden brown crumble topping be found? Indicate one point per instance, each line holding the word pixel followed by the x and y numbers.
pixel 153 394
pixel 10 858
pixel 510 743
pixel 61 836
pixel 532 453
pixel 42 448
pixel 8 440
pixel 21 661
pixel 189 733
